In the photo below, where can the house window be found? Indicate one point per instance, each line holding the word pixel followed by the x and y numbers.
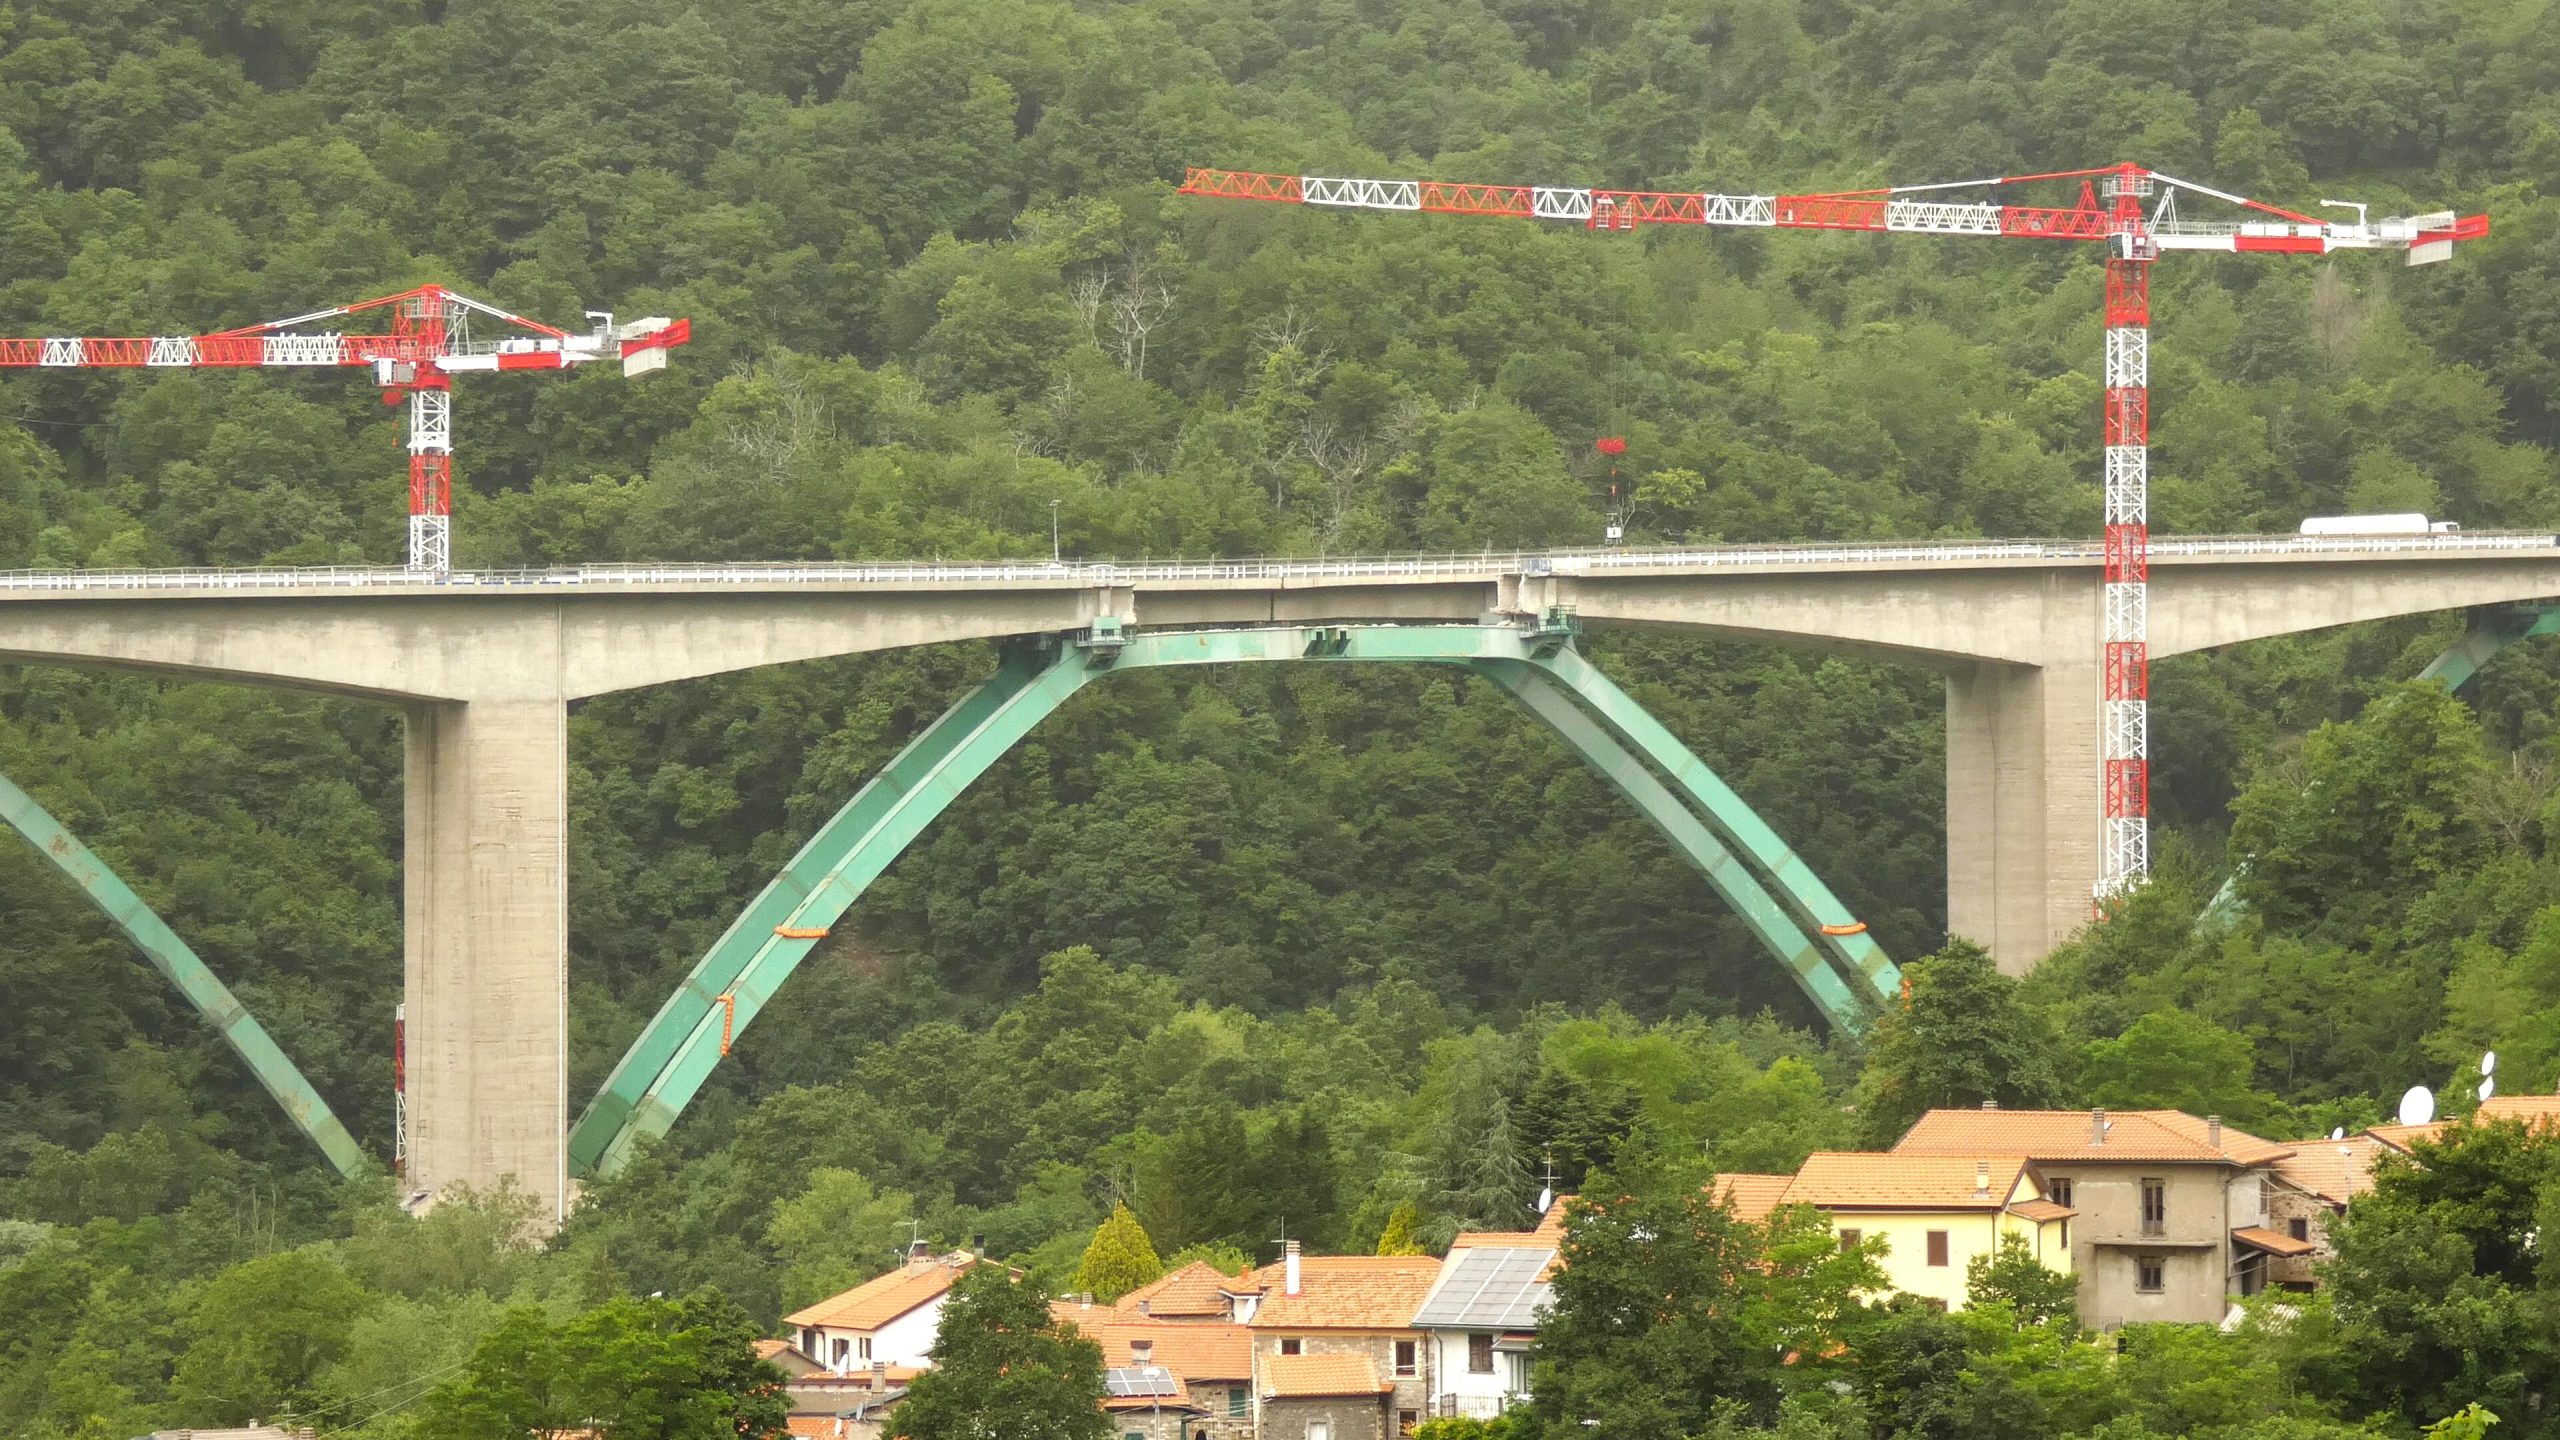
pixel 844 1352
pixel 809 1343
pixel 2058 1189
pixel 1291 1345
pixel 2155 1207
pixel 1938 1248
pixel 1406 1420
pixel 1849 1240
pixel 1479 1354
pixel 2253 1275
pixel 1319 1430
pixel 1236 1404
pixel 2149 1274
pixel 1519 1373
pixel 1405 1357
pixel 863 1347
pixel 2300 1227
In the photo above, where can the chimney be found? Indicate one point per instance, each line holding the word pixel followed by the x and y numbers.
pixel 879 1376
pixel 1981 1179
pixel 2213 1131
pixel 919 1252
pixel 1289 1268
pixel 2097 1127
pixel 978 1247
pixel 1142 1352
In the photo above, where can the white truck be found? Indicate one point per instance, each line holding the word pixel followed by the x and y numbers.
pixel 2405 524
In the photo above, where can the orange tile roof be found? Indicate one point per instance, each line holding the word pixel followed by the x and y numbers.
pixel 2237 1143
pixel 1851 1180
pixel 1197 1289
pixel 1753 1196
pixel 1194 1350
pixel 883 1298
pixel 2335 1170
pixel 2040 1211
pixel 2528 1108
pixel 2054 1135
pixel 2399 1136
pixel 1312 1377
pixel 1347 1292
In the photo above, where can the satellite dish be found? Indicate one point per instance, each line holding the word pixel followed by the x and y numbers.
pixel 2338 1134
pixel 1546 1200
pixel 2418 1107
pixel 2488 1087
pixel 2488 1062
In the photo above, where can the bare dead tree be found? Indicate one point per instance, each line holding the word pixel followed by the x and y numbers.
pixel 1139 304
pixel 1087 293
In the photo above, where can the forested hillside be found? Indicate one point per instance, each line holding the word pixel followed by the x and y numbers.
pixel 1351 939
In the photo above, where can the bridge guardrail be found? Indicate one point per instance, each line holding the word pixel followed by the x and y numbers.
pixel 1487 565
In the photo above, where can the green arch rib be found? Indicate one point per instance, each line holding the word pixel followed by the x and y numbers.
pixel 174 959
pixel 1802 923
pixel 2493 628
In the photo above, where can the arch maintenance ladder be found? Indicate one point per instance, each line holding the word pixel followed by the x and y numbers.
pixel 1825 950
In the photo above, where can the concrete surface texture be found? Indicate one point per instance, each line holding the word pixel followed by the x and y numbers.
pixel 485 676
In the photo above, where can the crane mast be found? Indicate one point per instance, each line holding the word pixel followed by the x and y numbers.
pixel 428 343
pixel 2130 209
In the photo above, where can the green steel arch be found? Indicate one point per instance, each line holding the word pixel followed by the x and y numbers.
pixel 179 963
pixel 2492 629
pixel 1822 947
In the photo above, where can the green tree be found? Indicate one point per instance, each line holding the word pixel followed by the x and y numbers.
pixel 2377 809
pixel 263 1331
pixel 2013 1276
pixel 836 1233
pixel 1962 1038
pixel 627 1369
pixel 2174 1060
pixel 1003 1366
pixel 1648 1329
pixel 1398 1238
pixel 1120 1258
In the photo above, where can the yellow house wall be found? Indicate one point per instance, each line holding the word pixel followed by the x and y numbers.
pixel 1969 1233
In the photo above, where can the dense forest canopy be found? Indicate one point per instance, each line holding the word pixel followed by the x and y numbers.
pixel 1372 940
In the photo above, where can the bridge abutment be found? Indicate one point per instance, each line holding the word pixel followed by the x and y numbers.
pixel 485 876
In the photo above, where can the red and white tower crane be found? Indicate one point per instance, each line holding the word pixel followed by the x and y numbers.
pixel 428 343
pixel 2130 209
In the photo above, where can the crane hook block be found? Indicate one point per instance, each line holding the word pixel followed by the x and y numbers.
pixel 787 933
pixel 1854 927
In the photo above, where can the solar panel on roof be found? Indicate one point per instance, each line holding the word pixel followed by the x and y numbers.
pixel 1140 1380
pixel 1491 1289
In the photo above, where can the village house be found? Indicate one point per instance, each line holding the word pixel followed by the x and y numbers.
pixel 1336 1355
pixel 1936 1214
pixel 2171 1210
pixel 1182 1325
pixel 1480 1319
pixel 887 1320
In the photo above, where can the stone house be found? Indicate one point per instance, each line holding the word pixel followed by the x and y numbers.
pixel 2171 1210
pixel 1336 1355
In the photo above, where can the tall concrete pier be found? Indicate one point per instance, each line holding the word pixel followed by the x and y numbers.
pixel 485 668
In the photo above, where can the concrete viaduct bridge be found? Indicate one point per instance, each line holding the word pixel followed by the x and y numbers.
pixel 485 666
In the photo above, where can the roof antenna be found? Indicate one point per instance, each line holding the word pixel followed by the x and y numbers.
pixel 1547 1197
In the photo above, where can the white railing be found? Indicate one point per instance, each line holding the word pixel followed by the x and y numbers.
pixel 1079 574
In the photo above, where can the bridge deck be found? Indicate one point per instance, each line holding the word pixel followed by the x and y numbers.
pixel 1270 573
